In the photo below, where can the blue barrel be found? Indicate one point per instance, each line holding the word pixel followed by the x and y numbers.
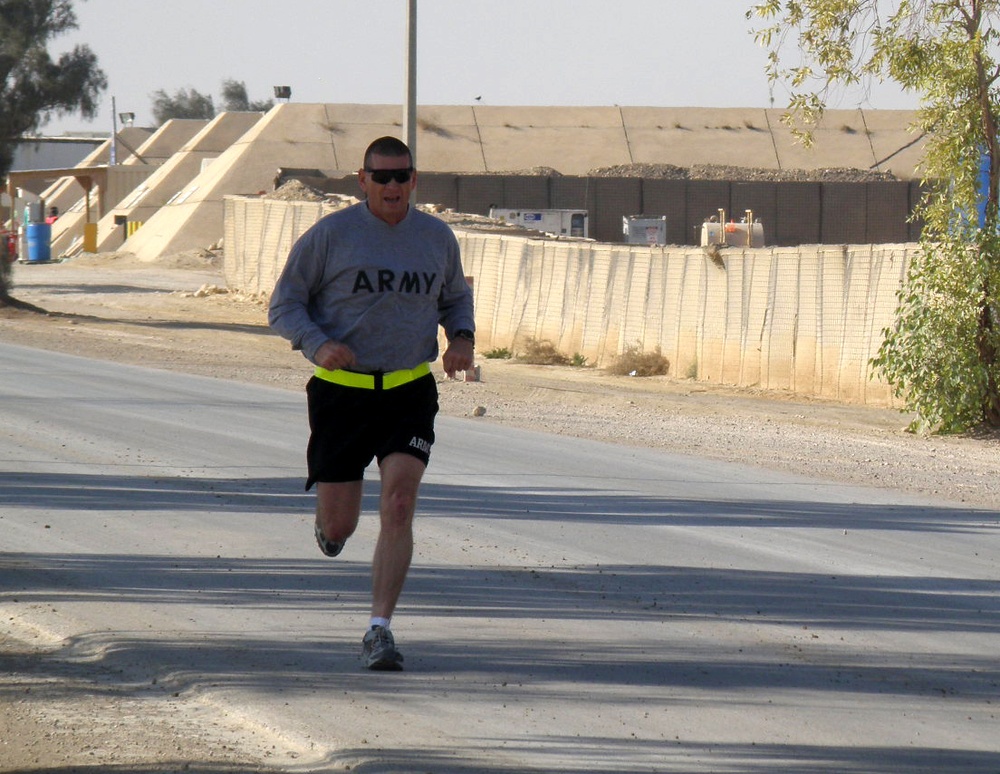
pixel 39 239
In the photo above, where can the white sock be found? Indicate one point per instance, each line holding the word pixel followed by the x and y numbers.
pixel 383 622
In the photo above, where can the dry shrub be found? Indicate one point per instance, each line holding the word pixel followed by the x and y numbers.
pixel 633 362
pixel 541 352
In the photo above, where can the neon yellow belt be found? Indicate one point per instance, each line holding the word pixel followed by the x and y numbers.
pixel 376 381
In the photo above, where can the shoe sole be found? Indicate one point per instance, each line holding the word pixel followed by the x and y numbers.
pixel 328 547
pixel 388 662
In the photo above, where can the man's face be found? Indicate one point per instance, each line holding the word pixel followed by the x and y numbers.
pixel 388 199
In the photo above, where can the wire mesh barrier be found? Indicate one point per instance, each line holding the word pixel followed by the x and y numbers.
pixel 806 319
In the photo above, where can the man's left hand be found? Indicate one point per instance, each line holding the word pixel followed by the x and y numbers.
pixel 459 356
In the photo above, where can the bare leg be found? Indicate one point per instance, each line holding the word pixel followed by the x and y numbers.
pixel 401 474
pixel 338 508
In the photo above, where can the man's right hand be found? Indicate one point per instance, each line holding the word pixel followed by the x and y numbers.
pixel 332 355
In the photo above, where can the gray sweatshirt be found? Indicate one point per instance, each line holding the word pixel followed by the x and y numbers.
pixel 382 290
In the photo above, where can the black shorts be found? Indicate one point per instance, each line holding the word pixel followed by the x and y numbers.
pixel 351 426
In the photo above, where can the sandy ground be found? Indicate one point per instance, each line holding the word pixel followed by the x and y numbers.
pixel 174 315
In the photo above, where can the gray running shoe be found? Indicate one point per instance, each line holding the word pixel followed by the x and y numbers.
pixel 328 547
pixel 378 650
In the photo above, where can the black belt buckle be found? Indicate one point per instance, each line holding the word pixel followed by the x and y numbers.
pixel 377 376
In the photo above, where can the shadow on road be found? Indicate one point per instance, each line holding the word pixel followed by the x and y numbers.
pixel 654 670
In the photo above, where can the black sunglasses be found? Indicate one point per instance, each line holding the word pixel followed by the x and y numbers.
pixel 383 176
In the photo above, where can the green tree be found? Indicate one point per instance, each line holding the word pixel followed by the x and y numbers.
pixel 941 354
pixel 33 85
pixel 185 103
pixel 190 103
pixel 235 99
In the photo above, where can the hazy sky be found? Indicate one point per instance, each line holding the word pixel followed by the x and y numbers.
pixel 671 53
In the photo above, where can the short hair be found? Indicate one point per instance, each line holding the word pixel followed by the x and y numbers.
pixel 387 146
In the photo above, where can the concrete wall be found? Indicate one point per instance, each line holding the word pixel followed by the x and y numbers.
pixel 804 319
pixel 575 140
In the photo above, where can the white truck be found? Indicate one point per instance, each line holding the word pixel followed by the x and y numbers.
pixel 573 223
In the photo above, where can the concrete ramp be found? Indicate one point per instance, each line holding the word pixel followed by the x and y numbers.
pixel 68 195
pixel 287 136
pixel 163 143
pixel 201 143
pixel 139 152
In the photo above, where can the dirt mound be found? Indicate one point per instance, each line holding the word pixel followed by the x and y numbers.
pixel 528 172
pixel 296 190
pixel 724 172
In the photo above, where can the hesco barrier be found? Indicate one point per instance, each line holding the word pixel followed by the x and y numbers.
pixel 793 213
pixel 803 319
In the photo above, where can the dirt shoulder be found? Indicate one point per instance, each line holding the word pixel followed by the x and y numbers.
pixel 175 315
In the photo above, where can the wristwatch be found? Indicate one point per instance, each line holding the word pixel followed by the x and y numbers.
pixel 465 333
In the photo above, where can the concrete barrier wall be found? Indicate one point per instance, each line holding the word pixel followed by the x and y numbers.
pixel 804 319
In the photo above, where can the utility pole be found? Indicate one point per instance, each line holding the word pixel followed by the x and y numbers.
pixel 114 134
pixel 410 105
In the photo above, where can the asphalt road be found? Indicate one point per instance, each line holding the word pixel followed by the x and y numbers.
pixel 572 607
